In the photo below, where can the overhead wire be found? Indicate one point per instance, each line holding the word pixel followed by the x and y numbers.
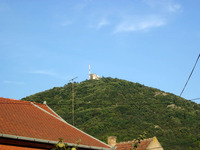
pixel 195 99
pixel 190 75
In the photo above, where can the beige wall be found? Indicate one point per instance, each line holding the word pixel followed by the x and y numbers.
pixel 155 145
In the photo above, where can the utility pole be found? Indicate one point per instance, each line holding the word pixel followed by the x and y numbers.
pixel 73 99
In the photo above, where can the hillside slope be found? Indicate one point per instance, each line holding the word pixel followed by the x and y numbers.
pixel 108 107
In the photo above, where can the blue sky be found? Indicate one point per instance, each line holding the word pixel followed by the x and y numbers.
pixel 44 44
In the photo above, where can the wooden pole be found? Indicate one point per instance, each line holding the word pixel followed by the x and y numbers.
pixel 73 99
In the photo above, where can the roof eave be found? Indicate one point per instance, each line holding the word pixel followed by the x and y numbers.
pixel 49 142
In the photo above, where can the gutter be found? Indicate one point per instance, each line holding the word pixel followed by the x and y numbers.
pixel 49 142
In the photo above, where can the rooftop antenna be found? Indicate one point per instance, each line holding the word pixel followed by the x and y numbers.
pixel 73 99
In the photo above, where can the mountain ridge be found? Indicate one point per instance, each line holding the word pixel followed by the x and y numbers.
pixel 112 106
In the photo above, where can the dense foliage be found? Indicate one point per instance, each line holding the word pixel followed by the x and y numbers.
pixel 114 107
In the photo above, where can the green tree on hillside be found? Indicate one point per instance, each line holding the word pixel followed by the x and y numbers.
pixel 117 107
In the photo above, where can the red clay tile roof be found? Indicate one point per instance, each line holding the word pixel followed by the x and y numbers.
pixel 27 119
pixel 48 109
pixel 9 147
pixel 129 145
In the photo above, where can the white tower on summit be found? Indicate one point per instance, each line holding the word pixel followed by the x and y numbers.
pixel 93 76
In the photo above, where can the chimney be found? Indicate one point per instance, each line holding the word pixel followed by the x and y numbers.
pixel 44 102
pixel 112 141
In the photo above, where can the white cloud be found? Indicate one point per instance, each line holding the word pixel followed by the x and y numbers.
pixel 13 82
pixel 102 23
pixel 49 73
pixel 139 25
pixel 153 14
pixel 44 72
pixel 124 26
pixel 168 6
pixel 174 8
pixel 66 23
pixel 150 24
pixel 158 14
pixel 82 5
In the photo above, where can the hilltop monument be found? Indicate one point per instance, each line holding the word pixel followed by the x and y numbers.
pixel 93 76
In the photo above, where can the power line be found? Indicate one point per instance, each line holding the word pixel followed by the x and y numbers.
pixel 195 99
pixel 190 75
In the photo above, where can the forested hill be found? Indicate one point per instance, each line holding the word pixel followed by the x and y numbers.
pixel 109 107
